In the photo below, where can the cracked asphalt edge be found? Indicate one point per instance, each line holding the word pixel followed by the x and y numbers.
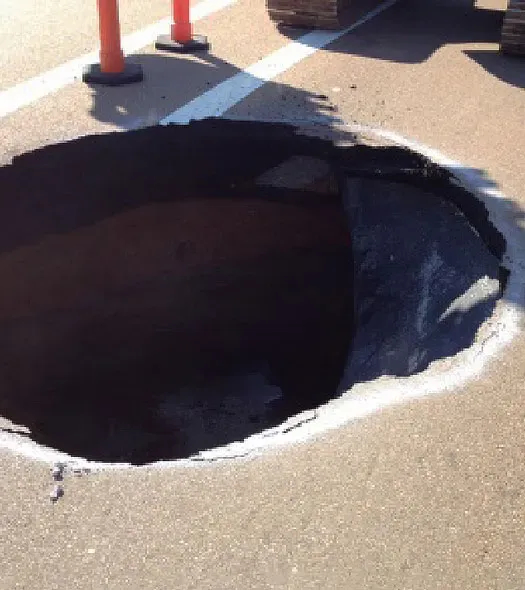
pixel 363 399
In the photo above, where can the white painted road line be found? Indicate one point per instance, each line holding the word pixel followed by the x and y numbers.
pixel 34 89
pixel 216 101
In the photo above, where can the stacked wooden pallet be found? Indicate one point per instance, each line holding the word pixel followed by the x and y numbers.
pixel 513 31
pixel 323 14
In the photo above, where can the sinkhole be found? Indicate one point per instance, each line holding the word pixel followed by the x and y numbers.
pixel 175 289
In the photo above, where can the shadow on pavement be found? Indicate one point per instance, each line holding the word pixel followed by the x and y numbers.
pixel 412 30
pixel 171 81
pixel 509 69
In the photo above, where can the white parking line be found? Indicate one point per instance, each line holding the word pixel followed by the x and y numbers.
pixel 216 101
pixel 34 89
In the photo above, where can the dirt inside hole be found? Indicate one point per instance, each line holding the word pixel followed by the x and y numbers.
pixel 136 328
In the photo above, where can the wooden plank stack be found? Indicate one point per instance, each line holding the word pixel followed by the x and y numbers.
pixel 513 31
pixel 322 14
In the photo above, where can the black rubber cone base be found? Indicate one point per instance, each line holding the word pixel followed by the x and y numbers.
pixel 197 43
pixel 94 75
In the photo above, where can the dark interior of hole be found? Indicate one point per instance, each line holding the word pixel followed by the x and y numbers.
pixel 150 283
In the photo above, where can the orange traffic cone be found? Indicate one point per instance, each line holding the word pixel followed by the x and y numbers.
pixel 112 70
pixel 182 38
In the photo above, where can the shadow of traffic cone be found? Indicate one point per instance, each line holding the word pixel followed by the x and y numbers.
pixel 113 70
pixel 182 39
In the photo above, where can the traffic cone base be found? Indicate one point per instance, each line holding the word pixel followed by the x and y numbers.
pixel 112 69
pixel 196 43
pixel 131 73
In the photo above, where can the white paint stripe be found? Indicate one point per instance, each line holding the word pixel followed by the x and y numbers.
pixel 216 101
pixel 34 89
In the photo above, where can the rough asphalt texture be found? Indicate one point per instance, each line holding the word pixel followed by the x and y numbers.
pixel 418 299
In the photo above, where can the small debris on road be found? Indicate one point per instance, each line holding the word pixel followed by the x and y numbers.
pixel 58 471
pixel 56 494
pixel 79 471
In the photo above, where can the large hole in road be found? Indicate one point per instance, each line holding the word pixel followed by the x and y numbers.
pixel 174 289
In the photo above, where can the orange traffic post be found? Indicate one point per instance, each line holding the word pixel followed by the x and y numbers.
pixel 113 70
pixel 182 39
